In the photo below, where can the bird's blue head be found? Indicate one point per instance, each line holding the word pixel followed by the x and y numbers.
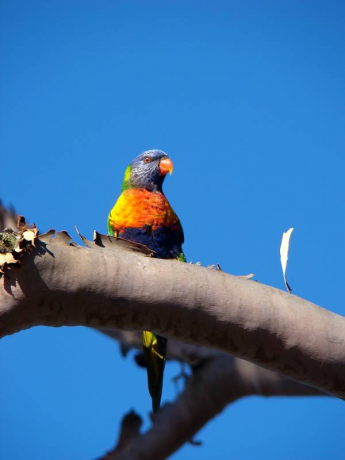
pixel 148 170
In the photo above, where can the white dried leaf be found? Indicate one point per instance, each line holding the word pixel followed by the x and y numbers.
pixel 284 255
pixel 29 235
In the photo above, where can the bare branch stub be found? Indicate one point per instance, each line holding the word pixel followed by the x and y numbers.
pixel 129 430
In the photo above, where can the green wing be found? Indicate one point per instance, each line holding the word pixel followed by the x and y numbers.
pixel 182 258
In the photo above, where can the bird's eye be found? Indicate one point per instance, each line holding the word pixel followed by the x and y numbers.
pixel 147 160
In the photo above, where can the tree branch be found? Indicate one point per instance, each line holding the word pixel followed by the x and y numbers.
pixel 112 285
pixel 217 381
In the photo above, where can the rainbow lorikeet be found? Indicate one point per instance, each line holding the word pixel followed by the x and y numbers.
pixel 142 214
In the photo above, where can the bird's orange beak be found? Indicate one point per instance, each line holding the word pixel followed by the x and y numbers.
pixel 165 166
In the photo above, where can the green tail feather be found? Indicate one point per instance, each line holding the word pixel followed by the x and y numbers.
pixel 155 350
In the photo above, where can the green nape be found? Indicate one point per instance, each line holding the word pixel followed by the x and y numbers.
pixel 125 183
pixel 110 230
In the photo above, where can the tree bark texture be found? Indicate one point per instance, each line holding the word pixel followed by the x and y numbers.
pixel 111 284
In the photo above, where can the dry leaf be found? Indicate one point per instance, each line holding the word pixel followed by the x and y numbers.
pixel 31 234
pixel 284 255
pixel 28 235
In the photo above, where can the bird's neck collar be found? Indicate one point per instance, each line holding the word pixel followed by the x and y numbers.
pixel 141 182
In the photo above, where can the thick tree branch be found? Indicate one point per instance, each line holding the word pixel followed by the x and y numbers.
pixel 116 287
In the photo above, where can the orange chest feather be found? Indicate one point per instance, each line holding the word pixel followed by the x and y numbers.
pixel 136 208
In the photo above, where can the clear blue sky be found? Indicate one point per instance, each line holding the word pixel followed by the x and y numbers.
pixel 248 99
